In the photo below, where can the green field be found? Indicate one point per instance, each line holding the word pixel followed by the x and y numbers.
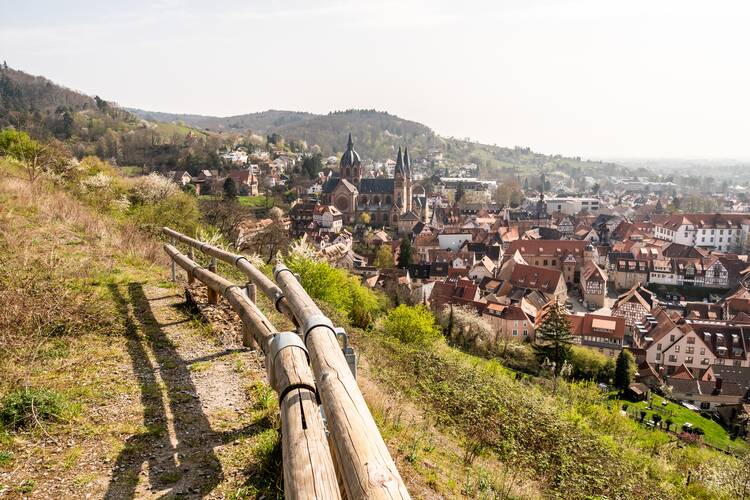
pixel 715 435
pixel 245 201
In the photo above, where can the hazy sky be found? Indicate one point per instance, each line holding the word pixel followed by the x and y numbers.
pixel 593 78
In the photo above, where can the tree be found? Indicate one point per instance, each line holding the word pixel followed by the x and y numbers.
pixel 405 253
pixel 365 219
pixel 312 165
pixel 460 193
pixel 624 370
pixel 273 238
pixel 230 189
pixel 33 156
pixel 554 339
pixel 384 258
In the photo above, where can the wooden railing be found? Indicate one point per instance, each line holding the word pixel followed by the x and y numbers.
pixel 363 466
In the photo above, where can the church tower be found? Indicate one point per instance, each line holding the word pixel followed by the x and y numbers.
pixel 400 184
pixel 407 169
pixel 350 166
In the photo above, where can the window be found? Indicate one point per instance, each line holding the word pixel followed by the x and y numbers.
pixel 671 338
pixel 545 262
pixel 737 362
pixel 658 347
pixel 672 358
pixel 658 356
pixel 554 262
pixel 688 359
pixel 515 333
pixel 689 350
pixel 704 361
pixel 703 351
pixel 676 348
pixel 691 340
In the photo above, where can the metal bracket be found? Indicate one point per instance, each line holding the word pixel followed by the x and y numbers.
pixel 349 354
pixel 281 341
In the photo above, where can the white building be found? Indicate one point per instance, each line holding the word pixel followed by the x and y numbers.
pixel 726 232
pixel 571 205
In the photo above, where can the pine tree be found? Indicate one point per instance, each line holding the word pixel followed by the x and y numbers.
pixel 230 189
pixel 553 337
pixel 404 253
pixel 624 370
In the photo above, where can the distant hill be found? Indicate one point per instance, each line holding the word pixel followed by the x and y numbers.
pixel 91 125
pixel 378 134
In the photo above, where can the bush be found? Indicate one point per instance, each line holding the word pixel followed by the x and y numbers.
pixel 179 212
pixel 336 288
pixel 591 365
pixel 21 408
pixel 411 325
pixel 152 189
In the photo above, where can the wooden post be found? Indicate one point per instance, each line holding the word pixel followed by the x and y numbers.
pixel 252 291
pixel 212 296
pixel 366 466
pixel 191 256
pixel 173 267
pixel 308 467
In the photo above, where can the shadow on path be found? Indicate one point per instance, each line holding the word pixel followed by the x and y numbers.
pixel 177 445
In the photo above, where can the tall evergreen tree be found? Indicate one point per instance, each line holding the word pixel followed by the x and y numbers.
pixel 553 337
pixel 230 189
pixel 624 370
pixel 405 253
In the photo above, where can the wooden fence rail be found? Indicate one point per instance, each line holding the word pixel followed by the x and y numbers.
pixel 364 465
pixel 308 467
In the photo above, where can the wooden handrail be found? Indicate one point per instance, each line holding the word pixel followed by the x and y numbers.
pixel 365 465
pixel 255 275
pixel 308 466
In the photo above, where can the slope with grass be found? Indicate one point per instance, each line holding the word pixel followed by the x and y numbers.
pixel 109 387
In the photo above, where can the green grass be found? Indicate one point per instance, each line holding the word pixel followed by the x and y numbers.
pixel 245 201
pixel 715 434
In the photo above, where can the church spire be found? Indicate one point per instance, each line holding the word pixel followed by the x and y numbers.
pixel 399 163
pixel 407 162
pixel 350 143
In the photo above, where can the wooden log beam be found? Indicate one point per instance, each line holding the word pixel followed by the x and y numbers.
pixel 365 465
pixel 308 467
pixel 264 283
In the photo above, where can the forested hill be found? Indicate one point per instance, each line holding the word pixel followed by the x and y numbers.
pixel 91 125
pixel 87 125
pixel 378 134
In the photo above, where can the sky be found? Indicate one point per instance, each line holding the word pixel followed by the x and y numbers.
pixel 590 78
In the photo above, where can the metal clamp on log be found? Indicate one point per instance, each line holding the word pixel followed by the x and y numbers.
pixel 315 321
pixel 281 341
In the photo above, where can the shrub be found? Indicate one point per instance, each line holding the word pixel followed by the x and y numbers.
pixel 179 212
pixel 465 327
pixel 21 408
pixel 411 325
pixel 591 365
pixel 336 288
pixel 153 188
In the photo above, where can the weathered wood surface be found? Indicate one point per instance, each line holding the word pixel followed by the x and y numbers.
pixel 266 285
pixel 364 463
pixel 309 471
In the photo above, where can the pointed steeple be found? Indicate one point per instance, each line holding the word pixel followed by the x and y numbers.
pixel 407 162
pixel 350 143
pixel 399 163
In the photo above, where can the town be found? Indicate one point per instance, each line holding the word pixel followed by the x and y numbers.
pixel 630 271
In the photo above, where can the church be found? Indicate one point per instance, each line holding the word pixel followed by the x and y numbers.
pixel 387 200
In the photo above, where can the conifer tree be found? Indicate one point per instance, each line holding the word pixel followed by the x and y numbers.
pixel 404 253
pixel 553 337
pixel 624 370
